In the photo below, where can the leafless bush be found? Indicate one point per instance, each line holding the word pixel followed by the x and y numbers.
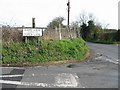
pixel 62 33
pixel 16 34
pixel 11 34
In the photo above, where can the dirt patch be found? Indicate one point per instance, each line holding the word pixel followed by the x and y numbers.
pixel 116 44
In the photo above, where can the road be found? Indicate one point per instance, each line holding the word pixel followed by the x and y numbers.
pixel 100 71
pixel 109 51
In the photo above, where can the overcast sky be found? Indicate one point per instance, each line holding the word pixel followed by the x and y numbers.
pixel 20 12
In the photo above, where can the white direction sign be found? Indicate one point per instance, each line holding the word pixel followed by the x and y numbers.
pixel 32 32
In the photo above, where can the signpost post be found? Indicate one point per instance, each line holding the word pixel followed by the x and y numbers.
pixel 32 32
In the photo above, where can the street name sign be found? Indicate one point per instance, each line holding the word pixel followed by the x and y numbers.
pixel 32 32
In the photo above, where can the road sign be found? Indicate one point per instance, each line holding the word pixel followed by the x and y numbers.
pixel 32 32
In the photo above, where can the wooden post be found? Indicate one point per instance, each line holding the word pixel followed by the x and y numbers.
pixel 25 39
pixel 42 32
pixel 56 32
pixel 60 32
pixel 25 36
pixel 33 22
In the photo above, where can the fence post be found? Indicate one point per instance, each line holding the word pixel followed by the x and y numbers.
pixel 60 32
pixel 56 32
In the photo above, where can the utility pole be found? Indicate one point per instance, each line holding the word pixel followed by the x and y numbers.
pixel 68 4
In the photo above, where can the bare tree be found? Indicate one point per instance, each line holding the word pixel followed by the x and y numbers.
pixel 91 17
pixel 75 24
pixel 83 18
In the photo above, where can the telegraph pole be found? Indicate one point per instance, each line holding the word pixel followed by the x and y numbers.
pixel 68 4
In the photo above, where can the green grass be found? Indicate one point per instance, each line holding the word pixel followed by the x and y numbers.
pixel 45 51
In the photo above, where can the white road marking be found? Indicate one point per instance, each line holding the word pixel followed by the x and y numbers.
pixel 23 83
pixel 12 67
pixel 22 75
pixel 11 75
pixel 115 61
pixel 66 80
pixel 61 80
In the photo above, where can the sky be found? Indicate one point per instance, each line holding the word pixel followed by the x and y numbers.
pixel 21 12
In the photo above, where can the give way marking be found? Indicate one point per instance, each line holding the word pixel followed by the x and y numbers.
pixel 61 80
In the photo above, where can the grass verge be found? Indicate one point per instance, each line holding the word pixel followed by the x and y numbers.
pixel 44 51
pixel 106 42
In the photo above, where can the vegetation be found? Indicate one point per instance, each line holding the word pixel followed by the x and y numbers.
pixel 15 51
pixel 95 33
pixel 56 22
pixel 92 31
pixel 107 42
pixel 44 51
